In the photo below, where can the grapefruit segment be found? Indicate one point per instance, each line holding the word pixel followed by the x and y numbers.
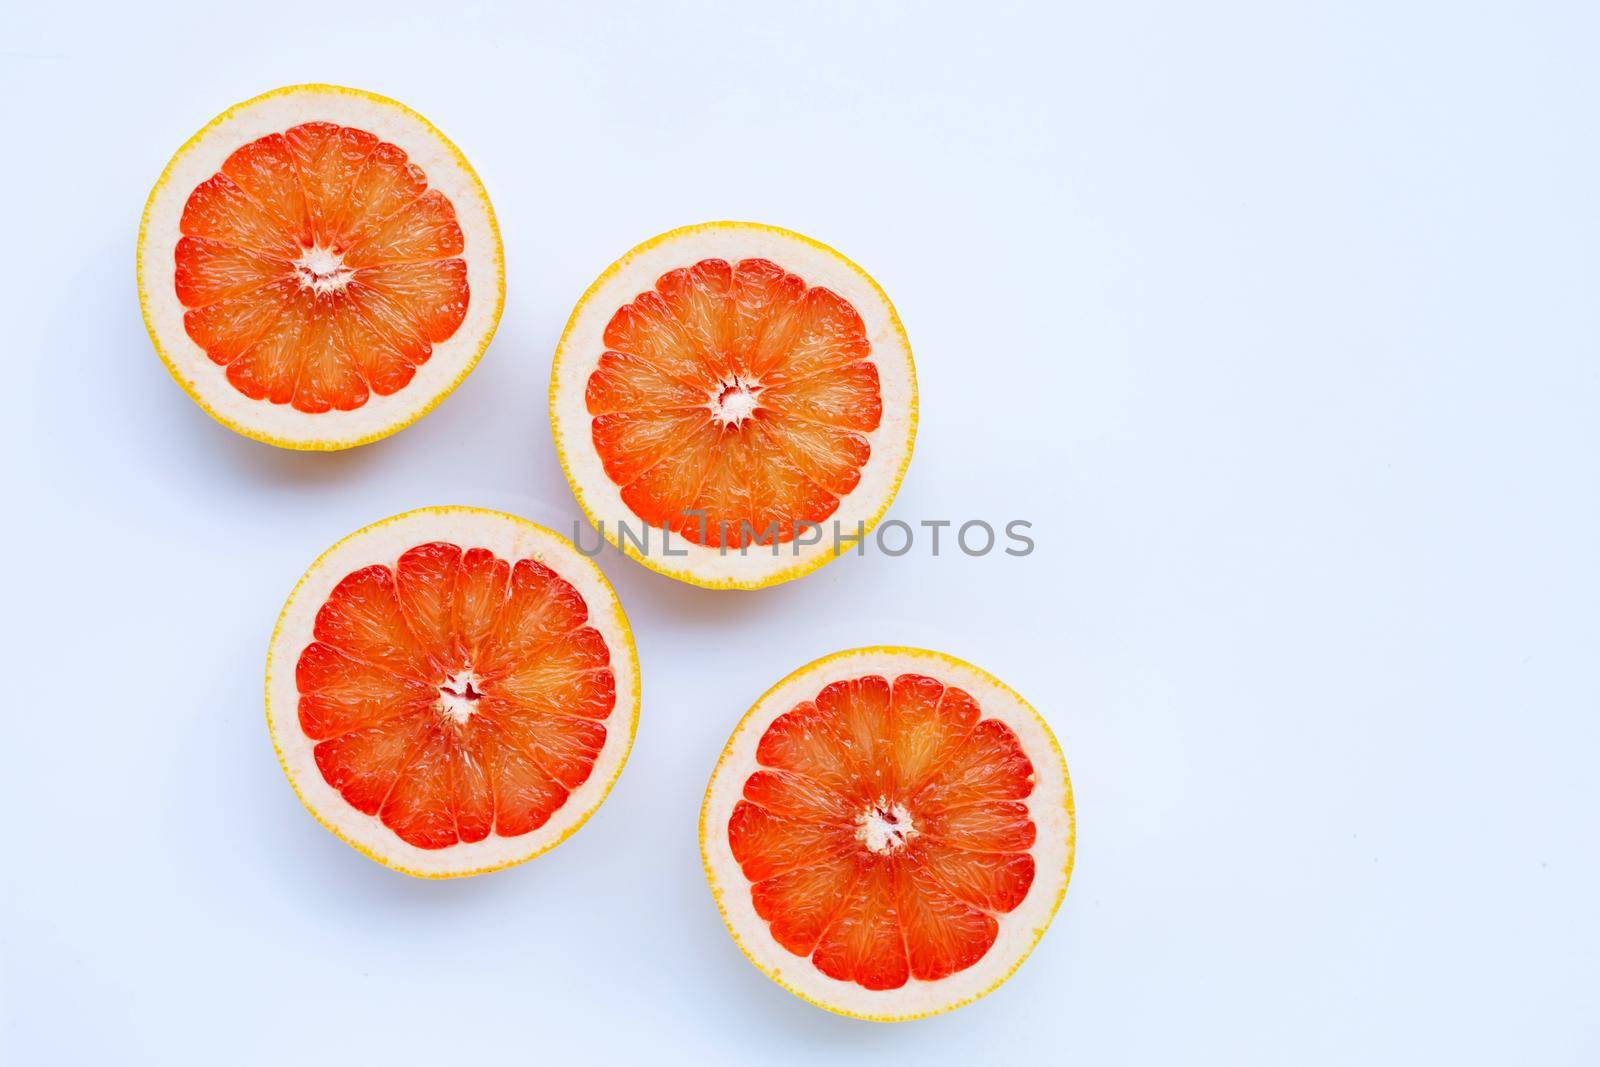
pixel 864 943
pixel 735 386
pixel 331 159
pixel 989 766
pixel 563 746
pixel 767 844
pixel 943 934
pixel 799 797
pixel 931 722
pixel 803 742
pixel 473 787
pixel 888 832
pixel 991 883
pixel 312 283
pixel 422 231
pixel 623 384
pixel 220 210
pixel 211 270
pixel 425 580
pixel 420 805
pixel 525 796
pixel 988 827
pixel 385 184
pixel 477 599
pixel 342 694
pixel 830 457
pixel 456 709
pixel 364 765
pixel 800 904
pixel 362 618
pixel 857 710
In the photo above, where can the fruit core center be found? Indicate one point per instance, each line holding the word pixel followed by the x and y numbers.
pixel 459 696
pixel 734 401
pixel 322 270
pixel 884 827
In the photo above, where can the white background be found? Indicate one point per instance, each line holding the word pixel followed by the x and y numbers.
pixel 1277 320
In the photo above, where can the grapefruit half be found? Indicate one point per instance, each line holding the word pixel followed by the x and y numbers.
pixel 452 690
pixel 888 832
pixel 319 267
pixel 734 403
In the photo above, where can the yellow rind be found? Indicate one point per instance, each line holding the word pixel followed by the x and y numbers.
pixel 321 444
pixel 685 574
pixel 633 718
pixel 944 659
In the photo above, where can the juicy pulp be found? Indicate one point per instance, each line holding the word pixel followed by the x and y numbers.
pixel 455 694
pixel 886 829
pixel 733 402
pixel 319 268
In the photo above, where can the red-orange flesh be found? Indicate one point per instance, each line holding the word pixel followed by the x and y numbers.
pixel 319 268
pixel 732 404
pixel 886 830
pixel 455 694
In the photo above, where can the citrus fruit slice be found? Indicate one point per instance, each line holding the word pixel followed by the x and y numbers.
pixel 733 404
pixel 452 690
pixel 319 267
pixel 888 832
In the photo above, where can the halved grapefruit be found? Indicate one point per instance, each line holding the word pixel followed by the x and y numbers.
pixel 319 267
pixel 888 832
pixel 734 404
pixel 452 690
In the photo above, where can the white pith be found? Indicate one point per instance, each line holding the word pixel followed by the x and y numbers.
pixel 885 827
pixel 454 699
pixel 446 171
pixel 511 539
pixel 583 344
pixel 322 270
pixel 1049 806
pixel 735 400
